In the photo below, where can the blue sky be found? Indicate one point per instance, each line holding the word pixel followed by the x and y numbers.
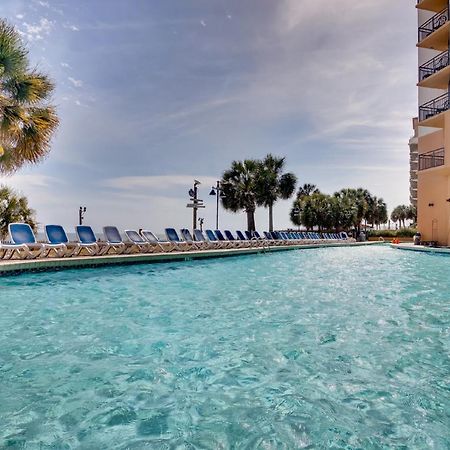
pixel 152 94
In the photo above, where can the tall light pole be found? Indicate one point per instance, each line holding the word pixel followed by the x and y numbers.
pixel 81 213
pixel 217 190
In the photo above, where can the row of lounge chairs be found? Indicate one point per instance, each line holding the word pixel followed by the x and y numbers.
pixel 24 244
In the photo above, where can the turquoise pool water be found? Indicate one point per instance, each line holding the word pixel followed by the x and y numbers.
pixel 332 348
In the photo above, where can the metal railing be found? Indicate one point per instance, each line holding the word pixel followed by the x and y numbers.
pixel 433 107
pixel 431 159
pixel 433 24
pixel 434 65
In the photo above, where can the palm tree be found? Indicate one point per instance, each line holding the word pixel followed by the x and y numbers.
pixel 360 199
pixel 304 212
pixel 380 214
pixel 396 215
pixel 13 208
pixel 27 120
pixel 306 190
pixel 239 184
pixel 273 184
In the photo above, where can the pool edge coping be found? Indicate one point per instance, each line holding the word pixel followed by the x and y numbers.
pixel 11 267
pixel 421 249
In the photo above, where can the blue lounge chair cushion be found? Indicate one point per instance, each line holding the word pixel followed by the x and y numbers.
pixel 21 233
pixel 112 235
pixel 219 235
pixel 240 235
pixel 135 237
pixel 172 235
pixel 85 234
pixel 56 234
pixel 199 235
pixel 211 236
pixel 187 236
pixel 229 235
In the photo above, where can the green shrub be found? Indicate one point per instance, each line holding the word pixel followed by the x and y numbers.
pixel 402 232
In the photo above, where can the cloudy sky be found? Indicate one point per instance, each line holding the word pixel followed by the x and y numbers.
pixel 154 93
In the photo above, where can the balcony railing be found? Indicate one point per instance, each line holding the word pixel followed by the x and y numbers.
pixel 433 24
pixel 431 159
pixel 434 65
pixel 434 107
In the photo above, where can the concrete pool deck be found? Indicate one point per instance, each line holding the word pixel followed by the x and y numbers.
pixel 421 248
pixel 52 264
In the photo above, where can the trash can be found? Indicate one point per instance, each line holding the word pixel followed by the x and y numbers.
pixel 417 238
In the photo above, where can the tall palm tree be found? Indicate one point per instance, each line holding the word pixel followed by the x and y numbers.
pixel 380 214
pixel 27 120
pixel 273 184
pixel 13 208
pixel 239 184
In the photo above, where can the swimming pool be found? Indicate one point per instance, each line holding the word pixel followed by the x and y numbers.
pixel 329 348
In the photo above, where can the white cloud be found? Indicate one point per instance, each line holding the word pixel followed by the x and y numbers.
pixel 34 32
pixel 76 83
pixel 202 23
pixel 71 27
pixel 20 16
pixel 156 182
pixel 64 64
pixel 44 4
pixel 21 181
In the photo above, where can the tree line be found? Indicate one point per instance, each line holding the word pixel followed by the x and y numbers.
pixel 343 210
pixel 253 183
pixel 402 213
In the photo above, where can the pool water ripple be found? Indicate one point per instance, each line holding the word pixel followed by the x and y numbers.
pixel 331 348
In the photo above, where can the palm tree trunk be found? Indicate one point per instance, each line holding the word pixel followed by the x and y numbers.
pixel 271 217
pixel 251 220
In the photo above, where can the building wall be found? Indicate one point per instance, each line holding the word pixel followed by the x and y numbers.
pixel 433 220
pixel 433 185
pixel 434 189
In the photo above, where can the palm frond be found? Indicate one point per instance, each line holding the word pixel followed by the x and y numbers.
pixel 31 87
pixel 27 122
pixel 13 54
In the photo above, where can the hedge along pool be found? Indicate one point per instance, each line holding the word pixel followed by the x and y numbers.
pixel 337 347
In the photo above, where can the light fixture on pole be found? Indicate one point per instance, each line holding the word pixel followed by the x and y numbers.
pixel 217 190
pixel 296 212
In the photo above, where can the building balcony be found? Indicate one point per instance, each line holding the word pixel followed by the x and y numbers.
pixel 436 72
pixel 431 114
pixel 431 159
pixel 434 32
pixel 431 5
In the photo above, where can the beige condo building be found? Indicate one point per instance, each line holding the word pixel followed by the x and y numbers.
pixel 433 134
